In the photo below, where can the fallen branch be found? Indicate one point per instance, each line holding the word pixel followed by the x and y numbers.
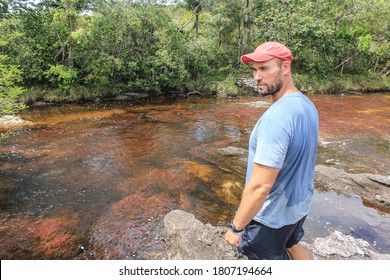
pixel 345 61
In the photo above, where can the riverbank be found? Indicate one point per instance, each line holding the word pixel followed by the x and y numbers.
pixel 231 87
pixel 331 85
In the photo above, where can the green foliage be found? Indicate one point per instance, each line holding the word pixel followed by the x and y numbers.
pixel 10 76
pixel 61 77
pixel 70 47
pixel 325 35
pixel 5 135
pixel 227 87
pixel 334 83
pixel 130 49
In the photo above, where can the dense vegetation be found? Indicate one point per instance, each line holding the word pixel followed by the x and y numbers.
pixel 81 49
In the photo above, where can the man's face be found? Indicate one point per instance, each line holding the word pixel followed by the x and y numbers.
pixel 268 76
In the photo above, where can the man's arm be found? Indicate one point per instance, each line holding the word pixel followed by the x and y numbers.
pixel 253 197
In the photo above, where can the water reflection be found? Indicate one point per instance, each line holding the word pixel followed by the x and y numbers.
pixel 348 215
pixel 95 182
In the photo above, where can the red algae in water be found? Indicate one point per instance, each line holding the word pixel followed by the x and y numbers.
pixel 127 227
pixel 40 238
pixel 351 116
pixel 121 169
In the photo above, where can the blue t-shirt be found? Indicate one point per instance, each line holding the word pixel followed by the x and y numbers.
pixel 286 137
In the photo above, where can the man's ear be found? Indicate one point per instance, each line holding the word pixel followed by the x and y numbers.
pixel 286 67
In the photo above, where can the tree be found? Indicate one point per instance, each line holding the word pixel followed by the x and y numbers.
pixel 10 76
pixel 10 92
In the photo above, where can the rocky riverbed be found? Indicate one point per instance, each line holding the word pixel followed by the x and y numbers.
pixel 187 238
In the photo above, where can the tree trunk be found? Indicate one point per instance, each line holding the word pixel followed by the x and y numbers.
pixel 239 52
pixel 198 10
pixel 70 56
pixel 70 48
pixel 246 11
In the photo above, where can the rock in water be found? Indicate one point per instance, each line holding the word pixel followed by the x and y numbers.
pixel 189 239
pixel 343 245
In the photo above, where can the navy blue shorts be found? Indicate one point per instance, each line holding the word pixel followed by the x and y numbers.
pixel 260 242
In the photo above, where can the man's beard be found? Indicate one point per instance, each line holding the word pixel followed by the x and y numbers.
pixel 271 90
pixel 274 88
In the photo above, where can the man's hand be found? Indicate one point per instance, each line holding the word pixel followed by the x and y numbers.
pixel 232 238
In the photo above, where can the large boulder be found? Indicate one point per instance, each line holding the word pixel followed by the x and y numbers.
pixel 246 86
pixel 372 187
pixel 187 238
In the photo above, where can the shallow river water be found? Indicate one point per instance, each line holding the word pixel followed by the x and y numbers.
pixel 95 181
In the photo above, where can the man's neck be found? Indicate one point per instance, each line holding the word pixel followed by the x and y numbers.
pixel 287 88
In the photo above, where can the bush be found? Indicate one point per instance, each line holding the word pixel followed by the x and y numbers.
pixel 10 93
pixel 61 77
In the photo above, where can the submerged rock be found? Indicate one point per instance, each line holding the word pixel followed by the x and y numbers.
pixel 232 151
pixel 187 238
pixel 27 237
pixel 130 224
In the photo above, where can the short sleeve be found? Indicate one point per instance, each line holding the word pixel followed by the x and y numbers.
pixel 272 143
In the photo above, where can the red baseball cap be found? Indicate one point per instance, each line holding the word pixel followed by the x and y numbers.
pixel 267 51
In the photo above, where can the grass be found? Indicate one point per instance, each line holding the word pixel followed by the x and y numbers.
pixel 341 84
pixel 76 94
pixel 227 87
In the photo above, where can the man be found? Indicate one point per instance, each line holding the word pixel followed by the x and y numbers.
pixel 280 173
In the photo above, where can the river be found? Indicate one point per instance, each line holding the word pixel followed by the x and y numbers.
pixel 94 181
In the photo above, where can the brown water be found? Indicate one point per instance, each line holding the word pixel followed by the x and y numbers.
pixel 94 182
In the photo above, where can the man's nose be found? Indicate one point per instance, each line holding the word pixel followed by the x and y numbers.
pixel 258 76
